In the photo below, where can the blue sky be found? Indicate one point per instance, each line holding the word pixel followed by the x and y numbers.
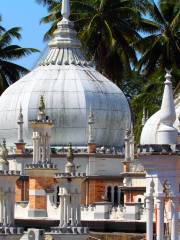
pixel 25 14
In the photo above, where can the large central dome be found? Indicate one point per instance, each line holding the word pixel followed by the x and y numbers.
pixel 70 86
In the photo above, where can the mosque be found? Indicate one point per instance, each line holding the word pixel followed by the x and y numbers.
pixel 67 158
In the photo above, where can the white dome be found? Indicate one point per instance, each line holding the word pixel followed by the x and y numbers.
pixel 149 131
pixel 70 87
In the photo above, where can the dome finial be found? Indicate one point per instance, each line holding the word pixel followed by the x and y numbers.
pixel 65 9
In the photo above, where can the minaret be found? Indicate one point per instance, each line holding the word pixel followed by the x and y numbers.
pixel 20 145
pixel 132 143
pixel 70 167
pixel 143 117
pixel 70 196
pixel 41 135
pixel 161 162
pixel 41 171
pixel 8 180
pixel 91 141
pixel 127 151
pixel 167 134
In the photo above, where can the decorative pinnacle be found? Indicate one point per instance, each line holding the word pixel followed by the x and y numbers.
pixel 70 155
pixel 4 152
pixel 65 9
pixel 168 114
pixel 41 104
pixel 91 117
pixel 20 116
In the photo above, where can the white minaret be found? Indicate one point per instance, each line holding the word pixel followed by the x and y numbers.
pixel 20 144
pixel 41 135
pixel 91 140
pixel 167 134
pixel 161 164
pixel 20 125
pixel 91 123
pixel 143 117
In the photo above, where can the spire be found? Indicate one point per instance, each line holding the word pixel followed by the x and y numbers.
pixel 20 116
pixel 65 9
pixel 20 125
pixel 127 145
pixel 143 117
pixel 64 47
pixel 91 123
pixel 167 134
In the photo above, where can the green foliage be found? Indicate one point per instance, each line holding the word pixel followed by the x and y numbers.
pixel 161 48
pixel 113 31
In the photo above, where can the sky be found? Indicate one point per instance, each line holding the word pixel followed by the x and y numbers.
pixel 25 14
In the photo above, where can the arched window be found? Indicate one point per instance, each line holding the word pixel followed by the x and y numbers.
pixel 116 195
pixel 109 194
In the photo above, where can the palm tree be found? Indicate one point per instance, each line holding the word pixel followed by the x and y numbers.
pixel 161 48
pixel 107 29
pixel 10 71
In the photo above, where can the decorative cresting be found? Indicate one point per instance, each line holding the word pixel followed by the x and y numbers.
pixel 41 135
pixel 64 46
pixel 166 133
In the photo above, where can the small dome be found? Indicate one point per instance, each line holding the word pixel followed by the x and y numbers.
pixel 163 120
pixel 70 86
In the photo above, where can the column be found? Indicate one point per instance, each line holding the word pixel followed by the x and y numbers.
pixel 1 206
pixel 5 210
pixel 73 220
pixel 65 211
pixel 160 217
pixel 43 148
pixel 174 223
pixel 47 148
pixel 12 197
pixel 78 210
pixel 34 148
pixel 61 210
pixel 149 216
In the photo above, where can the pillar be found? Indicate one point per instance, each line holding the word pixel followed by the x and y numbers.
pixel 1 206
pixel 61 209
pixel 34 148
pixel 174 212
pixel 78 210
pixel 65 211
pixel 149 220
pixel 73 219
pixel 160 217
